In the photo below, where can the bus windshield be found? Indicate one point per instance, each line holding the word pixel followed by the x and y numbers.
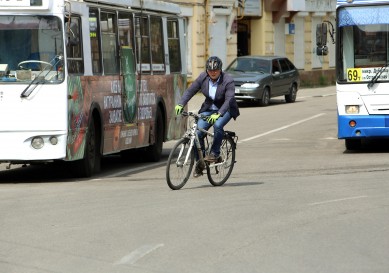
pixel 363 44
pixel 30 46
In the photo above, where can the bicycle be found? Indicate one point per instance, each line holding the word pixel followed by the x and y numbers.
pixel 182 156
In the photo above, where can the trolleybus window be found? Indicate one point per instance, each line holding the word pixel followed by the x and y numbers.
pixel 94 40
pixel 363 40
pixel 75 57
pixel 125 29
pixel 109 43
pixel 174 46
pixel 142 43
pixel 28 44
pixel 156 36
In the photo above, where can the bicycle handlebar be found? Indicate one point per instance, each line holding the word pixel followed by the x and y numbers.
pixel 192 114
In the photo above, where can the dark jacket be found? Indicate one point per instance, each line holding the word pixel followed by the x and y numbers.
pixel 224 97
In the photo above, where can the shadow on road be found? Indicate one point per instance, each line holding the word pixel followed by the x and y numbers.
pixel 111 166
pixel 371 146
pixel 189 185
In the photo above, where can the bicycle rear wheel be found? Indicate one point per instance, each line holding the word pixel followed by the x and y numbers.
pixel 180 164
pixel 218 173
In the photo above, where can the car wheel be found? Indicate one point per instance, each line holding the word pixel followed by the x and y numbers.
pixel 291 97
pixel 265 97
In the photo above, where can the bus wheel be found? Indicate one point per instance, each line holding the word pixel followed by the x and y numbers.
pixel 153 152
pixel 353 144
pixel 91 162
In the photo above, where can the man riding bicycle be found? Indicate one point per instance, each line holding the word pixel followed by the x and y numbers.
pixel 219 105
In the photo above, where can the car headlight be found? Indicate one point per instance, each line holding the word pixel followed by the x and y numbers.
pixel 352 109
pixel 250 85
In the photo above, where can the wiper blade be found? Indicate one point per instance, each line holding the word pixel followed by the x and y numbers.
pixel 38 79
pixel 377 75
pixel 27 91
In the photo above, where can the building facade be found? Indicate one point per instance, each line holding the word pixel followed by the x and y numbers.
pixel 230 28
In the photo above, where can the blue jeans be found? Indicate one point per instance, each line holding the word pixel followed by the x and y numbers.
pixel 217 129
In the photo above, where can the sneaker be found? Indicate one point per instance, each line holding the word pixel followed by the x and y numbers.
pixel 212 158
pixel 198 170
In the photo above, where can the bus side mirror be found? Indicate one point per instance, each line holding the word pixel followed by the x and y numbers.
pixel 322 51
pixel 321 39
pixel 321 34
pixel 72 34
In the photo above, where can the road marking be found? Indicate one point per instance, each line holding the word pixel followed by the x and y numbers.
pixel 138 254
pixel 330 138
pixel 282 139
pixel 281 128
pixel 338 200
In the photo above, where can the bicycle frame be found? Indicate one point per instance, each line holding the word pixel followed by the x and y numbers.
pixel 191 133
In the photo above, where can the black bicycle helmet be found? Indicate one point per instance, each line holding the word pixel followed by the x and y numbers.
pixel 214 63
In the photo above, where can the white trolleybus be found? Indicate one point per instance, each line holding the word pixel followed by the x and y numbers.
pixel 84 79
pixel 362 73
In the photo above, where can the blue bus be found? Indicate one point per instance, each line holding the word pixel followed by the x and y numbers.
pixel 362 73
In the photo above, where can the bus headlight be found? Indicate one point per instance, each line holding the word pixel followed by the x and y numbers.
pixel 352 109
pixel 54 140
pixel 37 143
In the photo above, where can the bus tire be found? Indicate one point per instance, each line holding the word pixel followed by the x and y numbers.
pixel 353 144
pixel 154 151
pixel 91 163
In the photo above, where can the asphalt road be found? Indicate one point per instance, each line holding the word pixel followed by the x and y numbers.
pixel 296 202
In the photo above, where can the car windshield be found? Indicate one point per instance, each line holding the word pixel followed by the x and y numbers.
pixel 250 65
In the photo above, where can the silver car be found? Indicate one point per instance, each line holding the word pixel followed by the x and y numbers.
pixel 259 78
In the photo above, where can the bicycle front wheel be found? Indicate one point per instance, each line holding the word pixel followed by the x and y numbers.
pixel 180 164
pixel 219 172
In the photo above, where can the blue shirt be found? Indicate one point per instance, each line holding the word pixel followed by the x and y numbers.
pixel 212 86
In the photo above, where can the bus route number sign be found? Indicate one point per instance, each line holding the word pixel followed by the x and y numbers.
pixel 354 74
pixel 365 74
